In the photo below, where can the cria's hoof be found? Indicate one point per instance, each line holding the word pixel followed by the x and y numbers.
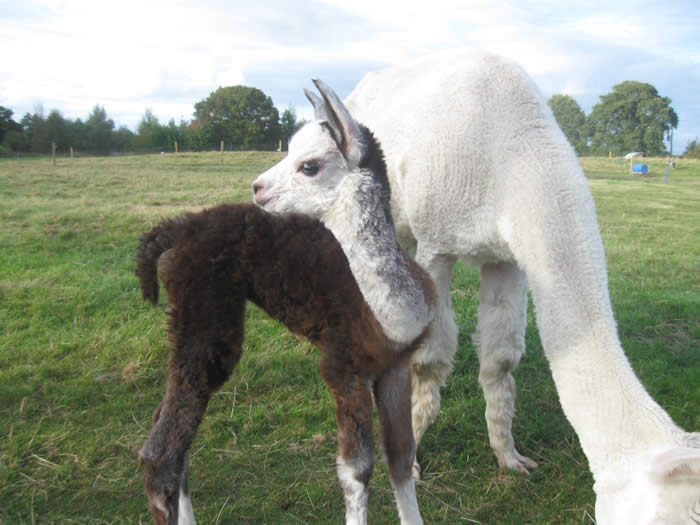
pixel 416 471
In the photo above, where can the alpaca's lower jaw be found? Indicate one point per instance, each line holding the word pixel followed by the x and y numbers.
pixel 263 202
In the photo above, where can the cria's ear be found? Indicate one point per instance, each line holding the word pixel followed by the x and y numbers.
pixel 677 464
pixel 348 135
pixel 317 103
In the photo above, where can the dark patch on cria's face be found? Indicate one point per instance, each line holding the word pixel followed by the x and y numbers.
pixel 373 160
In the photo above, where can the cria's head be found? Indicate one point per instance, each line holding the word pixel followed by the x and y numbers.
pixel 321 155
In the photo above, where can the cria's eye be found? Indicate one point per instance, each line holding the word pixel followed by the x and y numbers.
pixel 309 168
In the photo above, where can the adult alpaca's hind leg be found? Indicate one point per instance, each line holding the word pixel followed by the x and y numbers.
pixel 432 362
pixel 500 338
pixel 392 393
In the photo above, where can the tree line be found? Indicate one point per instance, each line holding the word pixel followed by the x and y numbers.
pixel 632 117
pixel 241 116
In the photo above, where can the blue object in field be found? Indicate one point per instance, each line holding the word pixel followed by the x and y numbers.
pixel 640 168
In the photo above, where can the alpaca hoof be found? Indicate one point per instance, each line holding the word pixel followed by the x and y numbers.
pixel 416 471
pixel 516 462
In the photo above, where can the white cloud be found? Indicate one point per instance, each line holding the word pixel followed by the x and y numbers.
pixel 168 55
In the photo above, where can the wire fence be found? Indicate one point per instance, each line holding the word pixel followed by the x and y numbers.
pixel 221 146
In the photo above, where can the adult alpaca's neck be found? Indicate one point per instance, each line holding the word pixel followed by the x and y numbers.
pixel 394 287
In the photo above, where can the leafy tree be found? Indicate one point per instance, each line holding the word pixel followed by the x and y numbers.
pixel 632 117
pixel 150 133
pixel 99 131
pixel 16 141
pixel 56 130
pixel 289 125
pixel 6 123
pixel 147 122
pixel 39 133
pixel 201 135
pixel 12 137
pixel 77 132
pixel 26 125
pixel 172 134
pixel 121 139
pixel 185 135
pixel 693 149
pixel 571 120
pixel 241 115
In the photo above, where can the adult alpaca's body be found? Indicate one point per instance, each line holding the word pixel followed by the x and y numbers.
pixel 481 172
pixel 211 263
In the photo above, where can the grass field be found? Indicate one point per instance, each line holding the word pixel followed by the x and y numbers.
pixel 82 359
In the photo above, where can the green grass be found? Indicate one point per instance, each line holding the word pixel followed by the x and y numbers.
pixel 82 359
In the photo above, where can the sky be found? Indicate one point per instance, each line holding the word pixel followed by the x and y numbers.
pixel 130 56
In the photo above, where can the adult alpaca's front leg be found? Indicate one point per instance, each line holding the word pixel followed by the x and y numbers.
pixel 500 339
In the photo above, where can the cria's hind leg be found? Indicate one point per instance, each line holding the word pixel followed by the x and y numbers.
pixel 198 366
pixel 392 393
pixel 355 462
pixel 500 338
pixel 163 455
pixel 185 510
pixel 432 362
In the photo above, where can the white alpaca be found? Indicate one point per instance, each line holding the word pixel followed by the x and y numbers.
pixel 481 172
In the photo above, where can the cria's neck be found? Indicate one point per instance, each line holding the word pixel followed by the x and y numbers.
pixel 390 284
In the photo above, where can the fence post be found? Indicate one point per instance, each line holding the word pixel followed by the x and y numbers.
pixel 222 152
pixel 176 146
pixel 53 153
pixel 71 153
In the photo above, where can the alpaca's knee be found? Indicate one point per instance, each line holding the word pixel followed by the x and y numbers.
pixel 498 369
pixel 500 340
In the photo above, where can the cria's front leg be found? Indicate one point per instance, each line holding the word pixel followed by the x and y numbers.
pixel 392 393
pixel 355 462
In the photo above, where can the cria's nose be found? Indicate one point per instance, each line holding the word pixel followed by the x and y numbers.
pixel 257 186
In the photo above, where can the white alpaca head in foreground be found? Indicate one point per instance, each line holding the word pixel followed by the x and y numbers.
pixel 662 488
pixel 321 155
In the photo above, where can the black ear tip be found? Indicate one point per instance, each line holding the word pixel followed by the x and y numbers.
pixel 320 85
